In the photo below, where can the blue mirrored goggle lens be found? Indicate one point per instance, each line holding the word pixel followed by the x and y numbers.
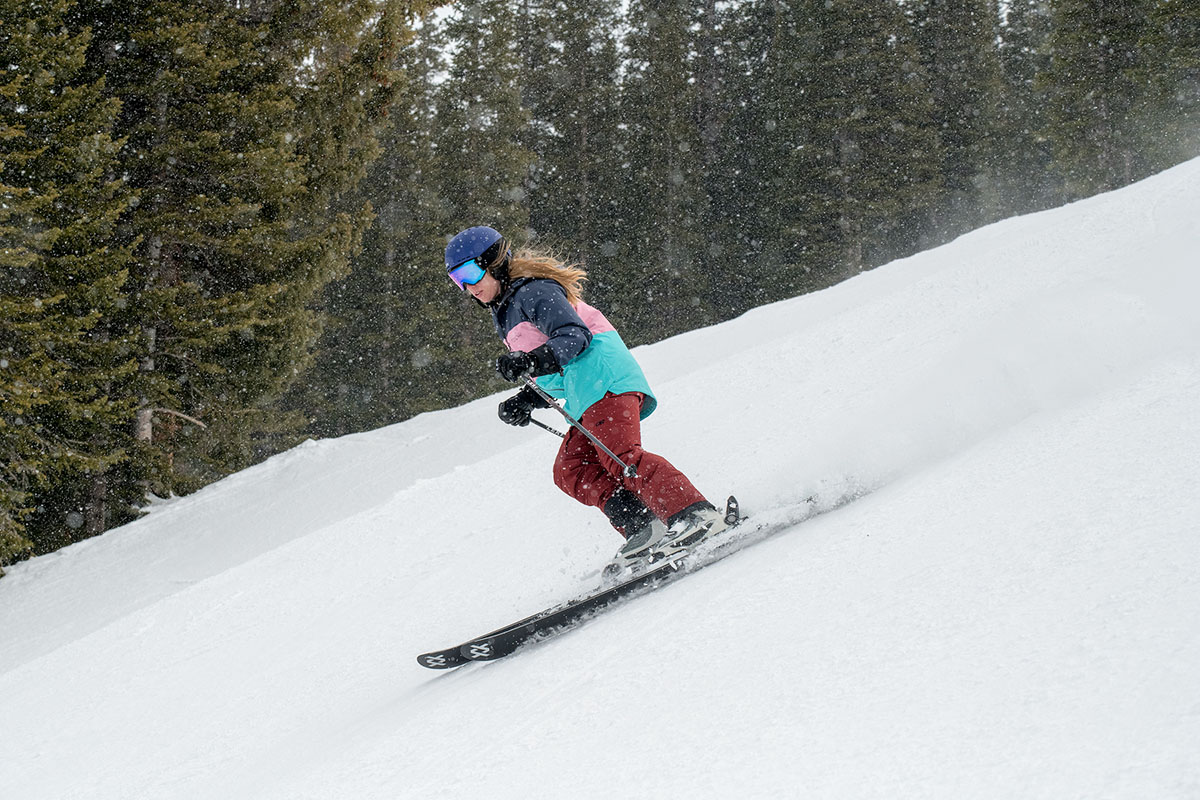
pixel 467 274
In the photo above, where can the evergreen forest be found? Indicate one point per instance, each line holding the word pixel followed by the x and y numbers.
pixel 222 223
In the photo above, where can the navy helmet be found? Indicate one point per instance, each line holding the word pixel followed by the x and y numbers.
pixel 482 243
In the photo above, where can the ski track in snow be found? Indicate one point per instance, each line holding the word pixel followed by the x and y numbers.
pixel 1006 609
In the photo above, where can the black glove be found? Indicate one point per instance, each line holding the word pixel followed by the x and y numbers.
pixel 517 409
pixel 540 361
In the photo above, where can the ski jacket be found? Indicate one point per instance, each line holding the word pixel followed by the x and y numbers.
pixel 593 358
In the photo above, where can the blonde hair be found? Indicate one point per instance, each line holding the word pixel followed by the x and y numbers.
pixel 529 263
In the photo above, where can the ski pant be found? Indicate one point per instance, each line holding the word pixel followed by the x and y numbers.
pixel 587 474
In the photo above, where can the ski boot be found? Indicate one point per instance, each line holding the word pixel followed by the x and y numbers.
pixel 691 526
pixel 636 554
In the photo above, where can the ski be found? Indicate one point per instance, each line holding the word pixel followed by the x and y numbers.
pixel 742 533
pixel 554 621
pixel 503 641
pixel 542 626
pixel 453 656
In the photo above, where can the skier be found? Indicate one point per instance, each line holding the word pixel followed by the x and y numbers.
pixel 576 354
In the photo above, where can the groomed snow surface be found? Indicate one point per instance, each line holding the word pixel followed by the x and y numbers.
pixel 1009 609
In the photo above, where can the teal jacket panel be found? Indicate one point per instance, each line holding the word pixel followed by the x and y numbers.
pixel 605 365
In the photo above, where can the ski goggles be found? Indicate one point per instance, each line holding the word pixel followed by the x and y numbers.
pixel 467 274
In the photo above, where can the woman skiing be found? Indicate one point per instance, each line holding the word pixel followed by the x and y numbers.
pixel 576 354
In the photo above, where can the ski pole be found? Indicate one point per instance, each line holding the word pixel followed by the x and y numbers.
pixel 545 427
pixel 628 470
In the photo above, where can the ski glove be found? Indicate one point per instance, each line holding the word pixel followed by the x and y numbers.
pixel 518 409
pixel 539 361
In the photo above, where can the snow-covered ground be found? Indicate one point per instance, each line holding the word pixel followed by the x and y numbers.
pixel 1011 608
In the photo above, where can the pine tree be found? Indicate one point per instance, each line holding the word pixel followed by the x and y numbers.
pixel 662 255
pixel 228 115
pixel 957 41
pixel 841 156
pixel 25 365
pixel 746 215
pixel 569 81
pixel 381 358
pixel 875 134
pixel 1024 182
pixel 1169 116
pixel 481 122
pixel 401 339
pixel 347 101
pixel 26 371
pixel 480 167
pixel 763 228
pixel 715 103
pixel 1092 93
pixel 64 360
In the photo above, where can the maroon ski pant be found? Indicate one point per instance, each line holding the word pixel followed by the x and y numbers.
pixel 587 474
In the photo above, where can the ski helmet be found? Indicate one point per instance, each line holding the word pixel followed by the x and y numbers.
pixel 483 244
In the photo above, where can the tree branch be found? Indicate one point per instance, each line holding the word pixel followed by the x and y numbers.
pixel 179 414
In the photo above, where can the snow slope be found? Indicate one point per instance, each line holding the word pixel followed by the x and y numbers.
pixel 1010 607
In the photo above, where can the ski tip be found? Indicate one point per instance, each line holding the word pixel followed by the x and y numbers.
pixel 733 511
pixel 441 660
